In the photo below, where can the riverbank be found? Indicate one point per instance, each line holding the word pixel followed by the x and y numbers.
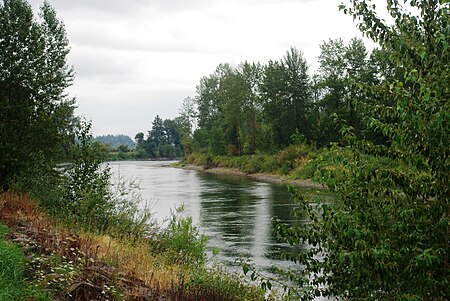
pixel 260 177
pixel 298 165
pixel 67 262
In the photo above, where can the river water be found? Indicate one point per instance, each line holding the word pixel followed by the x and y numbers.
pixel 235 213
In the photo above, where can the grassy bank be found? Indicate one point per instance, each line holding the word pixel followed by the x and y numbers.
pixel 62 262
pixel 296 164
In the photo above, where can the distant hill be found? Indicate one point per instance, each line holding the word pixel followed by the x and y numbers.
pixel 115 140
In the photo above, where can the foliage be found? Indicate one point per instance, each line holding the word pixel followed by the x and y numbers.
pixel 35 114
pixel 386 238
pixel 132 216
pixel 163 140
pixel 253 107
pixel 341 67
pixel 182 242
pixel 283 162
pixel 215 284
pixel 286 96
pixel 83 192
pixel 199 159
pixel 87 199
pixel 12 279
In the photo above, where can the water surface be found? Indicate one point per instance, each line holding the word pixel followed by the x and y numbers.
pixel 235 213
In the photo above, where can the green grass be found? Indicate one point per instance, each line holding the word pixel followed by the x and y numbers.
pixel 12 280
pixel 284 162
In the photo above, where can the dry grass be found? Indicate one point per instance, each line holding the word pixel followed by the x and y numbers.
pixel 137 260
pixel 101 260
pixel 103 265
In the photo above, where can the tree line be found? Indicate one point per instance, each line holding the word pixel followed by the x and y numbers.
pixel 255 107
pixel 164 139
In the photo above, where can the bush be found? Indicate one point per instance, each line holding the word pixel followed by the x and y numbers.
pixel 199 159
pixel 215 284
pixel 181 241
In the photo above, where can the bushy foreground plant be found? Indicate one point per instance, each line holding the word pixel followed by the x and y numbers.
pixel 387 236
pixel 90 199
pixel 216 284
pixel 81 191
pixel 181 241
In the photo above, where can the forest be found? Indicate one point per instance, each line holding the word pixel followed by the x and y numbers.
pixel 372 125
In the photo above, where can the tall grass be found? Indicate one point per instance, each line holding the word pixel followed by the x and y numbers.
pixel 170 262
pixel 12 279
pixel 282 163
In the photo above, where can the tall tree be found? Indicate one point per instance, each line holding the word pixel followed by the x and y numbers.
pixel 341 68
pixel 187 123
pixel 35 112
pixel 388 236
pixel 286 96
pixel 251 128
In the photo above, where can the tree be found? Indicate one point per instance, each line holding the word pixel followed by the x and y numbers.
pixel 156 138
pixel 341 68
pixel 387 238
pixel 35 113
pixel 187 124
pixel 286 96
pixel 251 116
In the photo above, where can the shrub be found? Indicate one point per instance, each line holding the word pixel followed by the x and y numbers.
pixel 216 284
pixel 182 242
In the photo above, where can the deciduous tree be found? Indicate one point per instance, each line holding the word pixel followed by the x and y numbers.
pixel 387 237
pixel 35 112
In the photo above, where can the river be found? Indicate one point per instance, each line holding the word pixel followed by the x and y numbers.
pixel 235 213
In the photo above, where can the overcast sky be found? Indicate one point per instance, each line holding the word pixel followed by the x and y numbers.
pixel 139 58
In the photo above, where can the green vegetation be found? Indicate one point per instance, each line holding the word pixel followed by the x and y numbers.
pixel 373 127
pixel 12 277
pixel 387 236
pixel 116 141
pixel 291 161
pixel 163 140
pixel 36 113
pixel 257 108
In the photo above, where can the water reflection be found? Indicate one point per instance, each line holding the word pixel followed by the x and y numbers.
pixel 234 212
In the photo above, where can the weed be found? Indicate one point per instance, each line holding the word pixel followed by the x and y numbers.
pixel 12 279
pixel 182 241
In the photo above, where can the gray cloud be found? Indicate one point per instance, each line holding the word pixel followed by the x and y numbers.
pixel 91 63
pixel 139 58
pixel 120 7
pixel 141 108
